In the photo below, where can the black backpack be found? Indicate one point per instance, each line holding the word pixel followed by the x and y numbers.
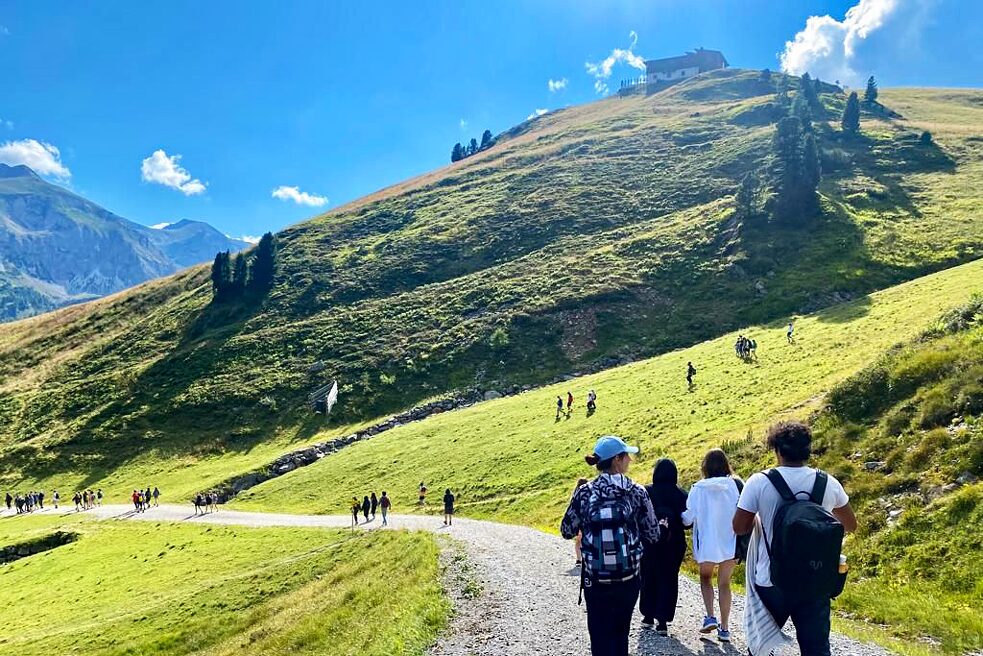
pixel 805 543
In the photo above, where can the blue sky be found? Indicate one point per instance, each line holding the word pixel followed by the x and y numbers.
pixel 333 101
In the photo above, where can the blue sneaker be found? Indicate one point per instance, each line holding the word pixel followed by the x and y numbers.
pixel 709 624
pixel 723 635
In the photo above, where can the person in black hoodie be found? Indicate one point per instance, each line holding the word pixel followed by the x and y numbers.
pixel 661 561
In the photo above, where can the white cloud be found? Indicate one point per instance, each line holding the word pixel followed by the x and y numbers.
pixel 827 48
pixel 40 156
pixel 160 226
pixel 537 112
pixel 249 239
pixel 164 169
pixel 557 85
pixel 283 192
pixel 464 124
pixel 602 70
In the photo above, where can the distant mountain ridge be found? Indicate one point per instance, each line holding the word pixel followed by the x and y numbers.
pixel 58 248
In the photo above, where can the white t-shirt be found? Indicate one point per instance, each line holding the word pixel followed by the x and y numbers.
pixel 761 497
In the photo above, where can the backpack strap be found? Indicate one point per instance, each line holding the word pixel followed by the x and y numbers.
pixel 781 486
pixel 819 487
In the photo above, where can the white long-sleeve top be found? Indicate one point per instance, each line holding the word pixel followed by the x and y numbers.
pixel 710 509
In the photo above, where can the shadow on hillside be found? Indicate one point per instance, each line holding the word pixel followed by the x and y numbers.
pixel 846 312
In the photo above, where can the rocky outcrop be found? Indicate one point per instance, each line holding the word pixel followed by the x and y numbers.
pixel 14 552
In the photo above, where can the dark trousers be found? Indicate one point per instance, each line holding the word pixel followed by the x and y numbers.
pixel 609 610
pixel 810 617
pixel 660 584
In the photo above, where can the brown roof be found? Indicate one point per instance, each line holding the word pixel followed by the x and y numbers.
pixel 700 58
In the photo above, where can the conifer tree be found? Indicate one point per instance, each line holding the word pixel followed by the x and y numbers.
pixel 486 139
pixel 221 276
pixel 802 111
pixel 457 153
pixel 809 88
pixel 746 198
pixel 870 95
pixel 782 93
pixel 851 114
pixel 240 274
pixel 811 169
pixel 263 264
pixel 472 146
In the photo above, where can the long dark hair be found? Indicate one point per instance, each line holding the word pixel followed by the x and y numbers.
pixel 715 463
pixel 602 465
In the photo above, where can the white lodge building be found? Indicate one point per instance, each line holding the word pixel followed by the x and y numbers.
pixel 675 69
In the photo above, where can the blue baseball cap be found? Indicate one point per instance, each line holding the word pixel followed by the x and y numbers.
pixel 610 446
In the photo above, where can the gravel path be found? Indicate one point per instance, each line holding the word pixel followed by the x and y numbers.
pixel 528 604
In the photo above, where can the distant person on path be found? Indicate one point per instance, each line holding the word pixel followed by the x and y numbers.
pixel 146 498
pixel 356 507
pixel 569 402
pixel 99 496
pixel 615 516
pixel 41 499
pixel 199 501
pixel 136 500
pixel 591 401
pixel 753 348
pixel 156 496
pixel 423 494
pixel 55 497
pixel 9 500
pixel 578 552
pixel 78 501
pixel 385 503
pixel 788 333
pixel 661 562
pixel 690 372
pixel 365 507
pixel 710 510
pixel 374 502
pixel 448 507
pixel 559 407
pixel 776 588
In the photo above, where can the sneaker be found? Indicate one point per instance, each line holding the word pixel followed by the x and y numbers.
pixel 647 621
pixel 709 624
pixel 723 635
pixel 662 629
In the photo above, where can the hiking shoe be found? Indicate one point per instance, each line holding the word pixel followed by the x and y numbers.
pixel 723 635
pixel 709 624
pixel 647 621
pixel 662 629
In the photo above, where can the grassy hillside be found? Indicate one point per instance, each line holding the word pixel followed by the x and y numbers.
pixel 588 234
pixel 126 588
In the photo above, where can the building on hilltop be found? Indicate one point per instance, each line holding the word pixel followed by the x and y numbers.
pixel 660 73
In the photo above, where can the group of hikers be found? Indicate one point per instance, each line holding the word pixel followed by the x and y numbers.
pixel 746 348
pixel 142 499
pixel 786 523
pixel 204 502
pixel 591 404
pixel 370 503
pixel 26 503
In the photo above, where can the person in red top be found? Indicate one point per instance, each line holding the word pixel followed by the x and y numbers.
pixel 569 401
pixel 136 500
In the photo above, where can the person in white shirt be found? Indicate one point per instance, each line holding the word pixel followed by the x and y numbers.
pixel 792 443
pixel 710 509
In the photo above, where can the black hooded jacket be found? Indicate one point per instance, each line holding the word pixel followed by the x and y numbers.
pixel 669 501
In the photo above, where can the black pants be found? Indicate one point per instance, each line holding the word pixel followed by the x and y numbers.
pixel 660 584
pixel 810 617
pixel 609 610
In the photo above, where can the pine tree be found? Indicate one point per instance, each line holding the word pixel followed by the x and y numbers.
pixel 811 169
pixel 746 198
pixel 486 139
pixel 782 93
pixel 851 114
pixel 870 95
pixel 457 153
pixel 802 111
pixel 263 264
pixel 788 170
pixel 765 75
pixel 240 274
pixel 221 276
pixel 809 88
pixel 472 146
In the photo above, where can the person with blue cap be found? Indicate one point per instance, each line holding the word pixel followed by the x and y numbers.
pixel 614 515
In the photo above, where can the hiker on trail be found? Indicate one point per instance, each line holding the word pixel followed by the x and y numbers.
pixel 448 507
pixel 661 562
pixel 99 496
pixel 78 501
pixel 385 503
pixel 365 507
pixel 752 349
pixel 690 372
pixel 199 501
pixel 577 538
pixel 146 498
pixel 55 497
pixel 591 401
pixel 356 506
pixel 136 500
pixel 710 510
pixel 423 493
pixel 788 333
pixel 210 502
pixel 569 402
pixel 739 346
pixel 374 502
pixel 156 494
pixel 41 499
pixel 9 500
pixel 559 407
pixel 783 581
pixel 615 516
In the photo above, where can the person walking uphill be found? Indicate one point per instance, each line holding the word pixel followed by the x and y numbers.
pixel 448 507
pixel 374 503
pixel 661 562
pixel 710 509
pixel 614 516
pixel 802 514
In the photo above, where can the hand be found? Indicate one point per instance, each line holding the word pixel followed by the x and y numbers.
pixel 664 522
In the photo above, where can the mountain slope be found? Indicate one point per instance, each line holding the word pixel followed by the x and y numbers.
pixel 588 236
pixel 57 247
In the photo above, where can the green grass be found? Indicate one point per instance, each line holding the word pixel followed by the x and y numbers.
pixel 594 232
pixel 135 588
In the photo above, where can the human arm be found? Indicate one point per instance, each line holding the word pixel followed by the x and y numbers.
pixel 688 515
pixel 570 526
pixel 747 506
pixel 847 517
pixel 743 521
